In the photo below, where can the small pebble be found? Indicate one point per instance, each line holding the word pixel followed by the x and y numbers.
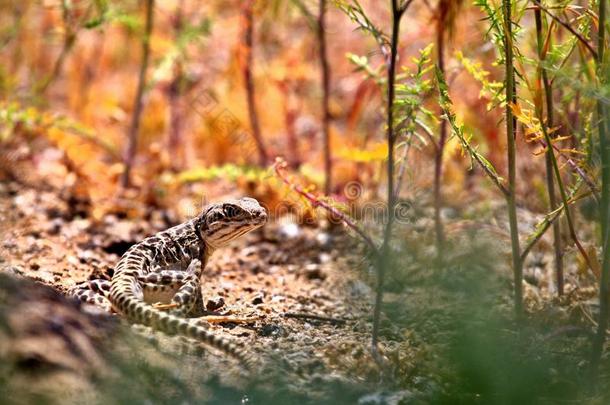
pixel 289 230
pixel 324 240
pixel 55 226
pixel 9 244
pixel 258 299
pixel 313 272
pixel 225 285
pixel 325 257
pixel 272 330
pixel 215 303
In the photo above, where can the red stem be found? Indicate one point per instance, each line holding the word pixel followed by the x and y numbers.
pixel 279 167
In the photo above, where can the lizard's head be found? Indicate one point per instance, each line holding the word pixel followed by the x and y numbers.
pixel 223 222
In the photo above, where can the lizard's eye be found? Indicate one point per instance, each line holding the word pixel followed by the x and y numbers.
pixel 230 211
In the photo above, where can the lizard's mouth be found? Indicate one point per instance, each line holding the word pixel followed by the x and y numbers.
pixel 222 235
pixel 260 218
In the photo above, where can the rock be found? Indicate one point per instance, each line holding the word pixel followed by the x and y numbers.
pixel 359 289
pixel 313 272
pixel 272 330
pixel 86 256
pixel 289 230
pixel 325 257
pixel 324 240
pixel 73 261
pixel 9 244
pixel 215 303
pixel 257 300
pixel 227 285
pixel 55 226
pixel 278 298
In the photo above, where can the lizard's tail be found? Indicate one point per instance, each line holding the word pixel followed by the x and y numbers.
pixel 144 313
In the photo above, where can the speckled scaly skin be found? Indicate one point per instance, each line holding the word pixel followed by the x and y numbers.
pixel 168 266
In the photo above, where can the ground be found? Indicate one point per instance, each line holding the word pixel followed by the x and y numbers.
pixel 301 286
pixel 446 333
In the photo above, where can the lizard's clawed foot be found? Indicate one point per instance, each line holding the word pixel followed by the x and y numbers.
pixel 164 307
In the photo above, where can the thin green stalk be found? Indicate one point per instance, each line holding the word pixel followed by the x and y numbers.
pixel 564 197
pixel 68 45
pixel 567 26
pixel 325 74
pixel 554 166
pixel 604 208
pixel 439 151
pixel 549 153
pixel 132 135
pixel 550 219
pixel 458 130
pixel 511 134
pixel 383 261
pixel 248 45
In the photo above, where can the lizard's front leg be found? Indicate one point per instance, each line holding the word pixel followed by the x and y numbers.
pixel 188 297
pixel 181 288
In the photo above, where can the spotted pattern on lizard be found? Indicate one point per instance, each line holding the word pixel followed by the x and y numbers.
pixel 166 269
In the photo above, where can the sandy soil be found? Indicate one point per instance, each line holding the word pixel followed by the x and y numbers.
pixel 310 310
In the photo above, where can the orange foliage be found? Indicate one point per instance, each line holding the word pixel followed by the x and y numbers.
pixel 96 84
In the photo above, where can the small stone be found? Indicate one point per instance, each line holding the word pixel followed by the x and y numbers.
pixel 73 261
pixel 215 303
pixel 9 244
pixel 110 219
pixel 86 256
pixel 325 257
pixel 272 331
pixel 448 213
pixel 313 272
pixel 33 246
pixel 278 298
pixel 55 226
pixel 324 240
pixel 14 270
pixel 34 266
pixel 256 268
pixel 289 230
pixel 227 286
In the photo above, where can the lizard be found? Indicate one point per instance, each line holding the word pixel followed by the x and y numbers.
pixel 167 267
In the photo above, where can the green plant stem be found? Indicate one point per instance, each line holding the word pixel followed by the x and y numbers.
pixel 175 139
pixel 564 199
pixel 511 134
pixel 439 150
pixel 562 191
pixel 383 261
pixel 604 207
pixel 549 219
pixel 549 153
pixel 248 45
pixel 567 26
pixel 325 75
pixel 68 44
pixel 132 135
pixel 458 130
